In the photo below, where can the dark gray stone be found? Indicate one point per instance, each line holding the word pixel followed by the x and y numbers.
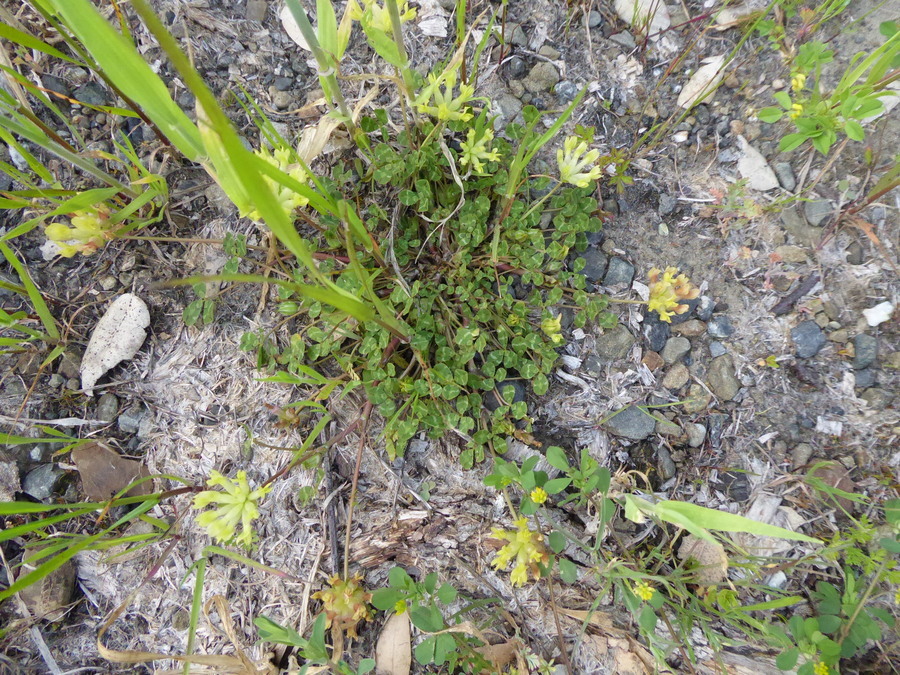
pixel 631 422
pixel 792 218
pixel 878 399
pixel 865 378
pixel 656 332
pixel 717 349
pixel 107 407
pixel 785 175
pixel 593 366
pixel 283 83
pixel 92 93
pixel 620 272
pixel 666 464
pixel 735 484
pixel 615 343
pixel 515 68
pixel 667 204
pixel 56 85
pixel 866 351
pixel 624 39
pixel 130 420
pixel 720 327
pixel 686 316
pixel 808 339
pixel 566 91
pixel 855 253
pixel 42 482
pixel 675 349
pixel 817 211
pixel 595 264
pixel 717 423
pixel 491 402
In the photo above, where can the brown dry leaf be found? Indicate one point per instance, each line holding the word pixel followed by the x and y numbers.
pixel 48 597
pixel 500 655
pixel 393 653
pixel 104 472
pixel 835 475
pixel 712 563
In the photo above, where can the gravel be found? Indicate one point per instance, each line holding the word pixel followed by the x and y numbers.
pixel 675 350
pixel 722 378
pixel 656 332
pixel 542 77
pixel 595 264
pixel 808 339
pixel 614 344
pixel 866 351
pixel 42 482
pixel 720 327
pixel 620 272
pixel 785 175
pixel 107 407
pixel 677 377
pixel 816 211
pixel 717 349
pixel 631 422
pixel 130 420
pixel 696 434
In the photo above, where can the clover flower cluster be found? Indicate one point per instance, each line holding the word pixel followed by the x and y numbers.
pixel 526 547
pixel 668 292
pixel 573 158
pixel 374 15
pixel 237 505
pixel 474 150
pixel 289 200
pixel 346 603
pixel 434 101
pixel 86 234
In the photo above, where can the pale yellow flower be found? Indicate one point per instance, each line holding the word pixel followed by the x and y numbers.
pixel 573 158
pixel 434 101
pixel 237 505
pixel 553 328
pixel 821 668
pixel 796 111
pixel 526 547
pixel 374 15
pixel 643 590
pixel 85 236
pixel 539 495
pixel 475 151
pixel 346 603
pixel 798 80
pixel 666 293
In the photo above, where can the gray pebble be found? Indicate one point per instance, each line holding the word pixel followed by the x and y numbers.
pixel 675 349
pixel 566 91
pixel 631 422
pixel 866 351
pixel 705 307
pixel 69 365
pixel 808 339
pixel 515 68
pixel 542 77
pixel 677 377
pixel 720 327
pixel 785 175
pixel 800 454
pixel 656 332
pixel 92 93
pixel 595 19
pixel 107 407
pixel 130 419
pixel 817 211
pixel 41 482
pixel 666 464
pixel 855 253
pixel 282 100
pixel 56 380
pixel 624 39
pixel 595 264
pixel 696 434
pixel 717 349
pixel 283 83
pixel 792 218
pixel 518 37
pixel 593 366
pixel 728 155
pixel 722 378
pixel 614 344
pixel 620 272
pixel 878 399
pixel 667 204
pixel 865 378
pixel 57 85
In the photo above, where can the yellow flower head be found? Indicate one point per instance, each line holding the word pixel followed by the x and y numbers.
pixel 526 547
pixel 475 151
pixel 796 111
pixel 643 590
pixel 553 328
pixel 798 81
pixel 287 198
pixel 538 495
pixel 237 505
pixel 441 104
pixel 821 668
pixel 573 158
pixel 85 236
pixel 346 603
pixel 374 15
pixel 666 293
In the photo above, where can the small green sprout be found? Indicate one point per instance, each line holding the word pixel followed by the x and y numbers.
pixel 237 505
pixel 526 546
pixel 573 158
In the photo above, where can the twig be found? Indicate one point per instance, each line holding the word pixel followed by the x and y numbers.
pixel 367 409
pixel 787 303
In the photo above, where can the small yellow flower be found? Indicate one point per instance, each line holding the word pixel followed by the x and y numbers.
pixel 667 293
pixel 85 236
pixel 796 111
pixel 821 668
pixel 441 104
pixel 475 152
pixel 287 198
pixel 400 606
pixel 526 547
pixel 538 495
pixel 237 505
pixel 643 590
pixel 553 328
pixel 573 158
pixel 374 15
pixel 346 603
pixel 798 81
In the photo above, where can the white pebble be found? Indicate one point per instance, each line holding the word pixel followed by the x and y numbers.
pixel 879 313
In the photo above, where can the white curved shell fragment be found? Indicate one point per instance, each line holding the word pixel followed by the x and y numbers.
pixel 647 17
pixel 116 338
pixel 702 83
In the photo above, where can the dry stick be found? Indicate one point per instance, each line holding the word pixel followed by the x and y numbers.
pixel 367 409
pixel 559 633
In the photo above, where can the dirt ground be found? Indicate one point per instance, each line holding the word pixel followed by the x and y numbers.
pixel 191 401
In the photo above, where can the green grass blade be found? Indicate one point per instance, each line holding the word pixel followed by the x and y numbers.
pixel 31 42
pixel 34 294
pixel 196 604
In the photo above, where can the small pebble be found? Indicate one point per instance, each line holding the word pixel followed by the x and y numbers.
pixel 877 399
pixel 631 422
pixel 652 360
pixel 704 308
pixel 56 380
pixel 722 378
pixel 666 465
pixel 620 271
pixel 865 378
pixel 256 10
pixel 107 407
pixel 595 19
pixel 808 339
pixel 720 327
pixel 785 175
pixel 656 332
pixel 675 349
pixel 817 211
pixel 696 434
pixel 283 83
pixel 697 399
pixel 866 351
pixel 717 349
pixel 690 328
pixel 676 378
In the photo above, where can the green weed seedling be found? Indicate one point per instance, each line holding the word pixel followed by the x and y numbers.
pixel 313 651
pixel 203 309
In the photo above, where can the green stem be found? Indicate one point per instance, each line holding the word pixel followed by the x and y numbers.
pixel 405 72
